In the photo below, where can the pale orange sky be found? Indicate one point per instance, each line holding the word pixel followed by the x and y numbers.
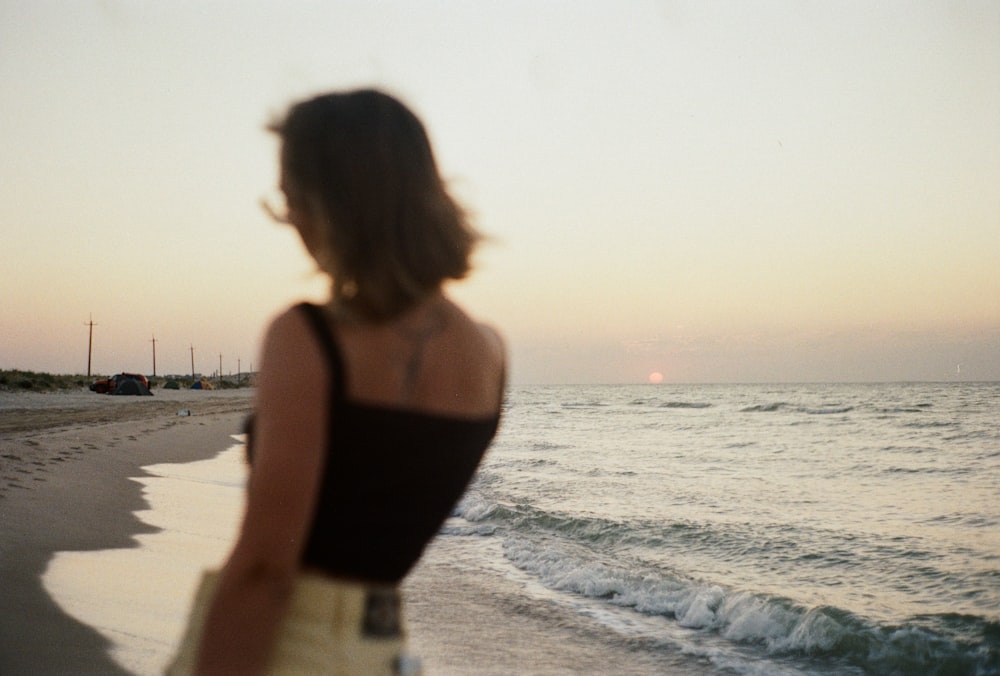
pixel 773 191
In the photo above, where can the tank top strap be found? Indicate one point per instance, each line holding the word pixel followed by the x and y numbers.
pixel 321 330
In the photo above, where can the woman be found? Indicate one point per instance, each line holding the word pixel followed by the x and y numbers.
pixel 372 413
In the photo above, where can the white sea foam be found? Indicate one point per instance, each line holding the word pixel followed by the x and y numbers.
pixel 798 522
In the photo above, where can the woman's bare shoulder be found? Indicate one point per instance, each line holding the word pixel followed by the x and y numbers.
pixel 288 321
pixel 484 350
pixel 288 346
pixel 480 336
pixel 492 336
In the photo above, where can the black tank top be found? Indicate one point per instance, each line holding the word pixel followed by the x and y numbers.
pixel 390 478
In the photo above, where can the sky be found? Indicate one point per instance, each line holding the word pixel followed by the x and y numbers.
pixel 773 191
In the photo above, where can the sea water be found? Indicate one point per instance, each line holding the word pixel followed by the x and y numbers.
pixel 844 529
pixel 732 529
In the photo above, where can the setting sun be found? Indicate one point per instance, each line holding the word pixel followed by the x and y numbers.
pixel 656 377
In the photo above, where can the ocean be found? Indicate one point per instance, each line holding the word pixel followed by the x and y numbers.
pixel 756 529
pixel 710 529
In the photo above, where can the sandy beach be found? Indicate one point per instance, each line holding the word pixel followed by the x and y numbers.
pixel 65 465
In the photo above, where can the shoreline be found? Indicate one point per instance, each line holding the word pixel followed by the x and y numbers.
pixel 67 470
pixel 66 463
pixel 466 620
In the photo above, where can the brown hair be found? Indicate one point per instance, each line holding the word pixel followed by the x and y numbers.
pixel 360 166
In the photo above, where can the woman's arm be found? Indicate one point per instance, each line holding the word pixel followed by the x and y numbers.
pixel 289 440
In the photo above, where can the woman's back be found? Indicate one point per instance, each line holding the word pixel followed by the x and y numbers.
pixel 433 359
pixel 411 408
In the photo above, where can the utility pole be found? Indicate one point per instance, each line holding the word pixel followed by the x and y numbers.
pixel 239 372
pixel 192 361
pixel 220 367
pixel 90 344
pixel 154 355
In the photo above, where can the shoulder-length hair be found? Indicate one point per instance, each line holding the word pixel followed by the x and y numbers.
pixel 360 166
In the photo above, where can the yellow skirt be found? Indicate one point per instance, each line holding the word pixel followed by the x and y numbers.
pixel 332 627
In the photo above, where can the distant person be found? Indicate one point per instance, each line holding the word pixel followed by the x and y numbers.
pixel 372 412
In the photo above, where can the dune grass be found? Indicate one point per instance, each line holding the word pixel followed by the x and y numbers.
pixel 14 380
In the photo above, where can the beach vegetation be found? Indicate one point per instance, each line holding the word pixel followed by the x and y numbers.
pixel 15 379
